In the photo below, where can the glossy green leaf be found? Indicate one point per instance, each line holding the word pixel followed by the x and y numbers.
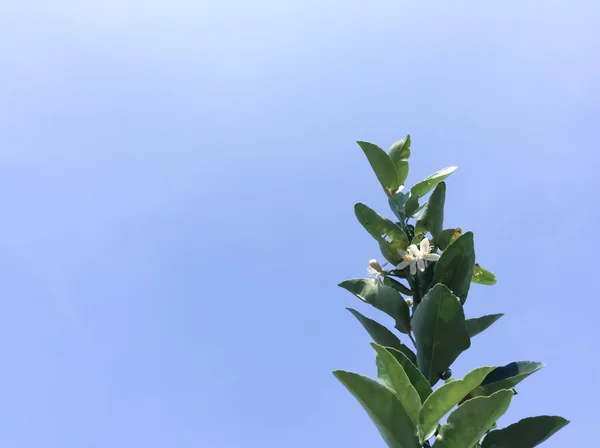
pixel 440 331
pixel 479 324
pixel 391 373
pixel 470 421
pixel 455 267
pixel 382 335
pixel 507 377
pixel 417 379
pixel 482 276
pixel 384 298
pixel 432 218
pixel 382 165
pixel 444 398
pixel 447 237
pixel 384 409
pixel 527 433
pixel 425 186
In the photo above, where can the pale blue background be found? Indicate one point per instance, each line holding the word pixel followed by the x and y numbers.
pixel 177 182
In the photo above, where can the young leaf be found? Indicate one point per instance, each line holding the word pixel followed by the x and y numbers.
pixel 397 203
pixel 425 186
pixel 440 330
pixel 479 324
pixel 392 375
pixel 384 408
pixel 482 276
pixel 455 267
pixel 412 205
pixel 470 421
pixel 382 165
pixel 417 379
pixel 384 298
pixel 527 433
pixel 445 398
pixel 432 218
pixel 382 335
pixel 507 377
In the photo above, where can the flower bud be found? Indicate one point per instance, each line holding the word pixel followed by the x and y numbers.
pixel 374 264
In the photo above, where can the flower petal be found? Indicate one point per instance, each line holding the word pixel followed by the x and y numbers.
pixel 424 246
pixel 402 253
pixel 414 250
pixel 432 257
pixel 402 265
pixel 421 264
pixel 413 269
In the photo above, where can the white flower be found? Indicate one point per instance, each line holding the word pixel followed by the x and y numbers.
pixel 417 257
pixel 375 270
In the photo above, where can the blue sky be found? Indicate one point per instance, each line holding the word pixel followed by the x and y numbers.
pixel 177 182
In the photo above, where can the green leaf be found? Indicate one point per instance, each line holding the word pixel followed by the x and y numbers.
pixel 417 379
pixel 527 433
pixel 443 399
pixel 386 232
pixel 447 237
pixel 470 421
pixel 482 276
pixel 399 153
pixel 384 408
pixel 384 298
pixel 455 267
pixel 440 330
pixel 432 218
pixel 425 186
pixel 391 373
pixel 479 324
pixel 379 333
pixel 412 205
pixel 507 377
pixel 400 150
pixel 382 165
pixel 389 281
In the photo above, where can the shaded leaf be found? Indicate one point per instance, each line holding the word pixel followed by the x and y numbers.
pixel 391 373
pixel 443 399
pixel 482 276
pixel 384 409
pixel 507 377
pixel 440 330
pixel 527 433
pixel 397 203
pixel 470 421
pixel 417 379
pixel 388 281
pixel 455 267
pixel 447 237
pixel 425 186
pixel 382 165
pixel 412 205
pixel 432 218
pixel 384 298
pixel 479 324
